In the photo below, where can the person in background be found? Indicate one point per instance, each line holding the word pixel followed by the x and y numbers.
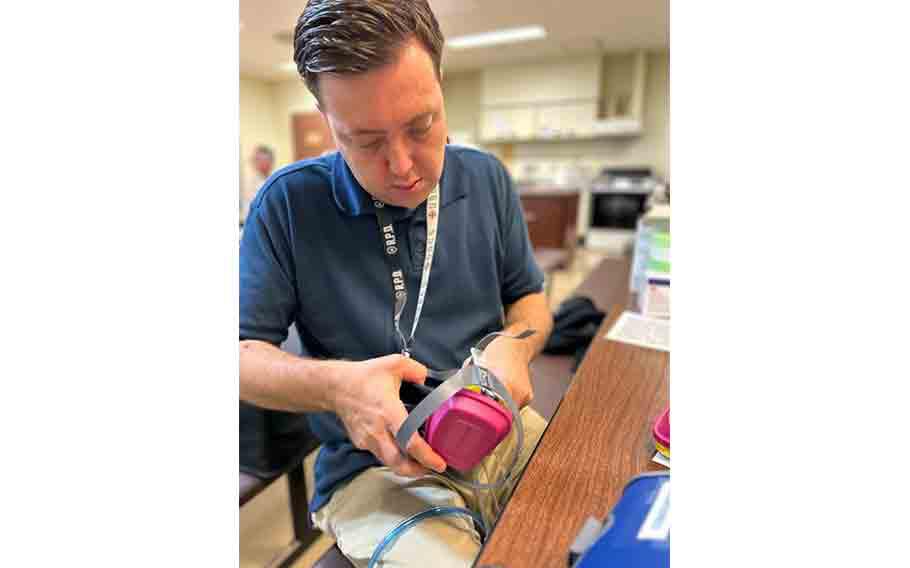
pixel 314 253
pixel 263 160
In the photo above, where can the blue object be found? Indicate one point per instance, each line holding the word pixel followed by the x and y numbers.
pixel 408 523
pixel 311 255
pixel 637 533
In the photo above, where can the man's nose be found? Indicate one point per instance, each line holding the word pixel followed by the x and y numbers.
pixel 399 157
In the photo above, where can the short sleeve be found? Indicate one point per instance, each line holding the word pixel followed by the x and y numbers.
pixel 268 299
pixel 520 274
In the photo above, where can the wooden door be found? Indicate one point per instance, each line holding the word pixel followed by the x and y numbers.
pixel 551 219
pixel 311 135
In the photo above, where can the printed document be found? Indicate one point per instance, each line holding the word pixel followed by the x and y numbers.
pixel 643 331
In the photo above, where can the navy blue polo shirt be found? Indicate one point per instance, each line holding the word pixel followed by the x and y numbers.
pixel 311 254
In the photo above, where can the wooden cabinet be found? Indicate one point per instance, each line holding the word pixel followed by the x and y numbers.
pixel 551 217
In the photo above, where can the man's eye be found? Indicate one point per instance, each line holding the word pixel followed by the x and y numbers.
pixel 372 145
pixel 422 130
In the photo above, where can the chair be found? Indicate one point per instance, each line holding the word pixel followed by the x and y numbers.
pixel 304 532
pixel 333 558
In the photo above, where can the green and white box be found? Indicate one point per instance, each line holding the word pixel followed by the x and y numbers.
pixel 650 277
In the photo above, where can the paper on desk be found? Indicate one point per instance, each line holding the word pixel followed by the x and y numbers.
pixel 642 331
pixel 661 459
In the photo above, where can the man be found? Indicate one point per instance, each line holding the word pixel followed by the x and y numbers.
pixel 314 254
pixel 263 160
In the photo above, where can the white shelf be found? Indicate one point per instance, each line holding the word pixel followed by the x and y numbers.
pixel 526 104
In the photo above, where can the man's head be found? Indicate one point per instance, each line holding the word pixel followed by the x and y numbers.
pixel 263 160
pixel 375 69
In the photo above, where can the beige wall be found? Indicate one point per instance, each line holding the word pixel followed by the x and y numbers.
pixel 290 97
pixel 265 116
pixel 257 117
pixel 462 100
pixel 266 110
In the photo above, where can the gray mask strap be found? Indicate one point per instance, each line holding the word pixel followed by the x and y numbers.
pixel 488 338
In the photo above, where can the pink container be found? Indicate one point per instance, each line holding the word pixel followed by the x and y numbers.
pixel 662 429
pixel 466 428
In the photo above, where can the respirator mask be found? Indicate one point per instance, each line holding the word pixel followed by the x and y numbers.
pixel 463 414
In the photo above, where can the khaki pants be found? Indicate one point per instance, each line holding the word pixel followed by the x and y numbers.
pixel 362 512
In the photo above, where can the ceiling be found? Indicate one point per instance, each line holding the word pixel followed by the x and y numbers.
pixel 574 27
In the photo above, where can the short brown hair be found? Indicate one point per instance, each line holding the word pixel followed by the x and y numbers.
pixel 355 36
pixel 263 149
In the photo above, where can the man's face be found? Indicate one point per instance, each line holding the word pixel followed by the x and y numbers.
pixel 263 163
pixel 390 126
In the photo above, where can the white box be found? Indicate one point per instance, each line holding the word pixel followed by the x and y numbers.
pixel 654 298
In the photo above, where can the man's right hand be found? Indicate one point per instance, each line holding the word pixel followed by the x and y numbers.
pixel 367 401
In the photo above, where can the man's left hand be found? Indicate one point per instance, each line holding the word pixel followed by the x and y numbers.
pixel 509 360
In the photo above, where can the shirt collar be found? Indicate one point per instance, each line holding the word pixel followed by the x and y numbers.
pixel 353 200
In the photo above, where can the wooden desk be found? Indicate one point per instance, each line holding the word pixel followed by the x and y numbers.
pixel 599 438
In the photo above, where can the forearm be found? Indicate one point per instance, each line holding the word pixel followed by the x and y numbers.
pixel 272 378
pixel 530 312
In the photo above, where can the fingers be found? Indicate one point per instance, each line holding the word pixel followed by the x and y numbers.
pixel 522 392
pixel 389 454
pixel 379 439
pixel 522 397
pixel 527 398
pixel 405 368
pixel 382 444
pixel 410 370
pixel 424 454
pixel 379 442
pixel 417 446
